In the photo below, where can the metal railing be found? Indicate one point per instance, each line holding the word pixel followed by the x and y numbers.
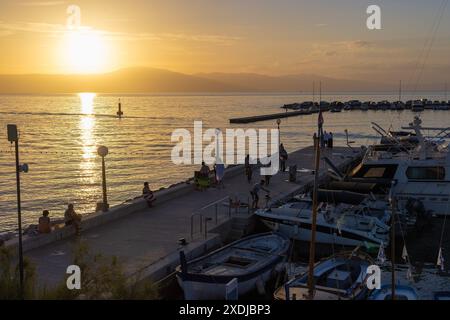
pixel 213 212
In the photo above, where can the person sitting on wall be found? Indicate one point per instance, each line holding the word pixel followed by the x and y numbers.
pixel 204 170
pixel 148 195
pixel 44 223
pixel 72 218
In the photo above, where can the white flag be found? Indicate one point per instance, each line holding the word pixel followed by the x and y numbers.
pixel 381 256
pixel 405 254
pixel 409 273
pixel 440 260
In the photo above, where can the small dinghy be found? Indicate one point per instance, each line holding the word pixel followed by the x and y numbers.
pixel 251 261
pixel 401 293
pixel 341 277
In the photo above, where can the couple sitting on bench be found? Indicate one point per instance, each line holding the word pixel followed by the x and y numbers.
pixel 204 178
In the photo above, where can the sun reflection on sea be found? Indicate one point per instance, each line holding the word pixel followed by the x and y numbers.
pixel 87 102
pixel 88 142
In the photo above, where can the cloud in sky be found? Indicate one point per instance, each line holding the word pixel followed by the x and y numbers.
pixel 50 29
pixel 41 3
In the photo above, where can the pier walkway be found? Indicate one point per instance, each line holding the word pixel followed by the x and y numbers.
pixel 144 237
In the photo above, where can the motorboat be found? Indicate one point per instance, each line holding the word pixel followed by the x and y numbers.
pixel 250 261
pixel 341 224
pixel 417 106
pixel 417 168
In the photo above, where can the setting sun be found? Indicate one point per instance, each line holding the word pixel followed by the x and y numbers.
pixel 85 51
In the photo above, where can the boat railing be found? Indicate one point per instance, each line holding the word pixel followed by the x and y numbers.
pixel 214 212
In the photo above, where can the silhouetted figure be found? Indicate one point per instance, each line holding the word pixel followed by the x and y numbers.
pixel 148 195
pixel 254 192
pixel 283 158
pixel 44 223
pixel 72 218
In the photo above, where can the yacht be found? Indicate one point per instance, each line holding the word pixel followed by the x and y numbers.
pixel 340 224
pixel 417 106
pixel 412 167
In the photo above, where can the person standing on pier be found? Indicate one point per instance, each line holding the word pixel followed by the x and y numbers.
pixel 320 133
pixel 254 192
pixel 248 168
pixel 283 158
pixel 330 140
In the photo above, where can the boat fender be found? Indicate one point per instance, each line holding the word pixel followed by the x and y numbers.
pixel 260 286
pixel 183 262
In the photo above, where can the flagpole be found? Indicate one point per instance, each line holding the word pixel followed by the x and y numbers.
pixel 393 204
pixel 314 92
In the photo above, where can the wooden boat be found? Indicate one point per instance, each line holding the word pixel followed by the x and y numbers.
pixel 251 261
pixel 340 277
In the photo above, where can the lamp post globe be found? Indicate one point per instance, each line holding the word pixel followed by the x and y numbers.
pixel 102 151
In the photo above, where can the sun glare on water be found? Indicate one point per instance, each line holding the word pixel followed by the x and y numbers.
pixel 85 51
pixel 87 102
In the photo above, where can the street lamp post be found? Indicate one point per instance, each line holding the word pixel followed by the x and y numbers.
pixel 103 152
pixel 13 136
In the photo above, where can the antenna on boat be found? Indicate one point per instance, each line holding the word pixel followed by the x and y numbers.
pixel 393 209
pixel 320 92
pixel 314 92
pixel 314 219
pixel 119 112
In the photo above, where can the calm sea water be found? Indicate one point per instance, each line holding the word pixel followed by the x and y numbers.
pixel 59 136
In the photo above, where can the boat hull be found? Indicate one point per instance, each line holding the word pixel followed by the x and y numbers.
pixel 205 290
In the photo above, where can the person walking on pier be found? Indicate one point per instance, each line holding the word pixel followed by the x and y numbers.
pixel 330 140
pixel 148 195
pixel 254 192
pixel 283 158
pixel 248 169
pixel 72 218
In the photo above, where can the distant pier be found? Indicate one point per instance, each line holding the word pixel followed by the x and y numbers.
pixel 265 117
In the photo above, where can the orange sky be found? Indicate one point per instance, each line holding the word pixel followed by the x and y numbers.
pixel 260 36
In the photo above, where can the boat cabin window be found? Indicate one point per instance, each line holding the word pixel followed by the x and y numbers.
pixel 425 173
pixel 376 171
pixel 238 262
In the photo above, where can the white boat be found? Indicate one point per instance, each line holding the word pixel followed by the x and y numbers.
pixel 342 224
pixel 251 261
pixel 341 277
pixel 417 106
pixel 418 168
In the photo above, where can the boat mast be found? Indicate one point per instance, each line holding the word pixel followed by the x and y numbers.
pixel 393 205
pixel 400 91
pixel 312 246
pixel 320 92
pixel 314 92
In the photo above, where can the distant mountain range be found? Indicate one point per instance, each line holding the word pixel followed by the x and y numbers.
pixel 150 80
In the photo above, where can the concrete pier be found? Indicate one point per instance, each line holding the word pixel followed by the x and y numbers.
pixel 265 117
pixel 145 239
